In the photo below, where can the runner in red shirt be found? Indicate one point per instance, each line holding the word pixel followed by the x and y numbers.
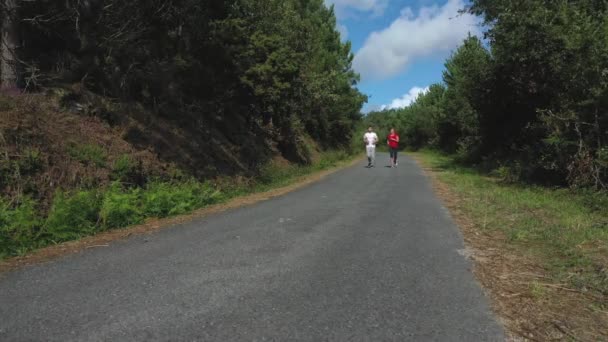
pixel 393 145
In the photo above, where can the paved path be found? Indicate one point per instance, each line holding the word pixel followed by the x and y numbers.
pixel 364 255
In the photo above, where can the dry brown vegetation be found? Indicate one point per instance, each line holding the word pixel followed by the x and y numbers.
pixel 70 139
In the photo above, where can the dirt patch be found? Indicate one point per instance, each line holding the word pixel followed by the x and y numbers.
pixel 104 239
pixel 529 304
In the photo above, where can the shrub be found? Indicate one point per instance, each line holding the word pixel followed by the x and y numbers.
pixel 167 199
pixel 73 216
pixel 330 159
pixel 123 168
pixel 30 161
pixel 18 227
pixel 89 154
pixel 120 208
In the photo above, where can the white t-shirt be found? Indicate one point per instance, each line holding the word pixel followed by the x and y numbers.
pixel 370 138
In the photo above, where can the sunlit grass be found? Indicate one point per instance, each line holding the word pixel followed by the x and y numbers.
pixel 566 229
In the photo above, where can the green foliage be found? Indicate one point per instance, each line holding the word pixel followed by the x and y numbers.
pixel 564 228
pixel 123 168
pixel 19 227
pixel 534 104
pixel 331 159
pixel 253 62
pixel 89 154
pixel 465 71
pixel 73 215
pixel 273 175
pixel 30 161
pixel 121 207
pixel 166 199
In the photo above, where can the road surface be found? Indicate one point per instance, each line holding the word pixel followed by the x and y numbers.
pixel 363 255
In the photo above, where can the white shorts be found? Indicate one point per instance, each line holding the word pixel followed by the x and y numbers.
pixel 371 151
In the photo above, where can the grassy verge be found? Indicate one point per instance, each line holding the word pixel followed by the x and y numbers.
pixel 559 234
pixel 88 212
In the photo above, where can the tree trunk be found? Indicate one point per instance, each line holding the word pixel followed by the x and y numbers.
pixel 9 75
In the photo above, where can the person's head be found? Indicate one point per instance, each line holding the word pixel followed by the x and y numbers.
pixel 392 131
pixel 370 129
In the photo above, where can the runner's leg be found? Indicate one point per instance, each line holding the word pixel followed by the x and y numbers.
pixel 396 152
pixel 373 148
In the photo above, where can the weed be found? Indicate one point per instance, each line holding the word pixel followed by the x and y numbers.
pixel 19 226
pixel 88 154
pixel 166 199
pixel 120 207
pixel 30 161
pixel 538 290
pixel 73 216
pixel 123 168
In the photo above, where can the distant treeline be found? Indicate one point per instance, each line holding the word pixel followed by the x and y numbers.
pixel 534 104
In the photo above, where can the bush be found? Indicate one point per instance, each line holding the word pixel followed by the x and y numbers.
pixel 73 216
pixel 120 208
pixel 89 154
pixel 30 161
pixel 166 199
pixel 123 168
pixel 19 227
pixel 330 159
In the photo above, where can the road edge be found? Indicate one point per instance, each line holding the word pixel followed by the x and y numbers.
pixel 464 225
pixel 151 226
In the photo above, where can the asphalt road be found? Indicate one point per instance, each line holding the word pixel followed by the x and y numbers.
pixel 363 255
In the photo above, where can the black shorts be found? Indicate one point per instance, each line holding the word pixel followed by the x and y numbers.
pixel 393 152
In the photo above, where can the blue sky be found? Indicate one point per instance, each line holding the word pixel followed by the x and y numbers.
pixel 400 45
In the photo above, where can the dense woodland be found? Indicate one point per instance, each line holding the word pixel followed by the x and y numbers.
pixel 530 99
pixel 275 64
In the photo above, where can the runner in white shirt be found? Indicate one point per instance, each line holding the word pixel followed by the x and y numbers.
pixel 370 138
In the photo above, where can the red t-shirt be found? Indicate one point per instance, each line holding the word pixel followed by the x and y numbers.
pixel 392 140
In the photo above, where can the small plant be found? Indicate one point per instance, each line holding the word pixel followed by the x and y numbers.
pixel 19 227
pixel 120 208
pixel 506 174
pixel 123 168
pixel 30 161
pixel 89 154
pixel 331 159
pixel 166 199
pixel 175 173
pixel 537 290
pixel 72 216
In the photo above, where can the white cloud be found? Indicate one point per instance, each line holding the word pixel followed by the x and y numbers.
pixel 436 29
pixel 406 99
pixel 376 7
